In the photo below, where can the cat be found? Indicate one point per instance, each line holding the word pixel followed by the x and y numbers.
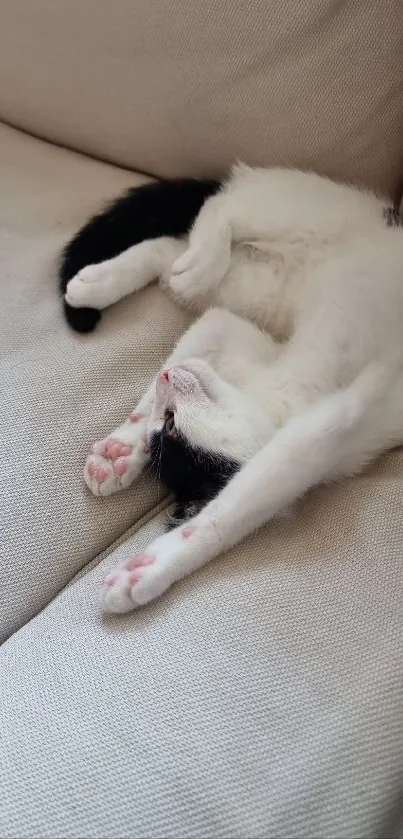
pixel 291 377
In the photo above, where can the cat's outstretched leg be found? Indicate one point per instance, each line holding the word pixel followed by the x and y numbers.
pixel 236 213
pixel 303 454
pixel 116 461
pixel 107 282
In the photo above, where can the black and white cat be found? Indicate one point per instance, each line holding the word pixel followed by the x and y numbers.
pixel 293 374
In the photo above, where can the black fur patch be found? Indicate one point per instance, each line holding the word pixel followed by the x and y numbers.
pixel 193 475
pixel 162 208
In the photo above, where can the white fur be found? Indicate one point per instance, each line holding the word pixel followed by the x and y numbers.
pixel 312 263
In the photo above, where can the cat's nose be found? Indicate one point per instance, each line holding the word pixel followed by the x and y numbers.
pixel 164 375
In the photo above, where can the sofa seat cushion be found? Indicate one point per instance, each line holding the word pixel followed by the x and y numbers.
pixel 260 697
pixel 60 391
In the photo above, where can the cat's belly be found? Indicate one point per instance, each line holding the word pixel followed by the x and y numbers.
pixel 261 286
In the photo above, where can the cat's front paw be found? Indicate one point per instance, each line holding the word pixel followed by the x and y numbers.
pixel 148 575
pixel 90 287
pixel 114 463
pixel 200 270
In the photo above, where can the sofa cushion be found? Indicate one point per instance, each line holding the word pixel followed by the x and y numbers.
pixel 260 697
pixel 181 87
pixel 61 391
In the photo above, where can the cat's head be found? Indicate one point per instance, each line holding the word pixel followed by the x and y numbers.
pixel 201 431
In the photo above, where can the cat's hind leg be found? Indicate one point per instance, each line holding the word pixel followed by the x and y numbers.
pixel 205 262
pixel 105 283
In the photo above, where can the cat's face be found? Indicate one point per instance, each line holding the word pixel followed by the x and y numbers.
pixel 202 429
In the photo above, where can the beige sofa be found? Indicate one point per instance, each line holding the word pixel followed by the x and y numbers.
pixel 261 697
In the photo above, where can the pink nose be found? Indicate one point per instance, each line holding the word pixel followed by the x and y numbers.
pixel 164 376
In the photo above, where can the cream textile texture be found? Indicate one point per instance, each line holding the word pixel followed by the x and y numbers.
pixel 60 391
pixel 262 697
pixel 186 87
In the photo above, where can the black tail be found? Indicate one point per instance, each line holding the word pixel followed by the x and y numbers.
pixel 162 208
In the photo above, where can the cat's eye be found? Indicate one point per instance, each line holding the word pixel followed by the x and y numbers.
pixel 169 424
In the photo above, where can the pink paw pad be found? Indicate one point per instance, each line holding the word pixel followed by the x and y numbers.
pixel 110 580
pixel 115 449
pixel 187 532
pixel 139 561
pixel 135 576
pixel 125 450
pixel 164 375
pixel 120 466
pixel 100 474
pixel 136 417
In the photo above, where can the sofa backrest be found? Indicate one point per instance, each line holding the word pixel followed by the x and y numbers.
pixel 185 87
